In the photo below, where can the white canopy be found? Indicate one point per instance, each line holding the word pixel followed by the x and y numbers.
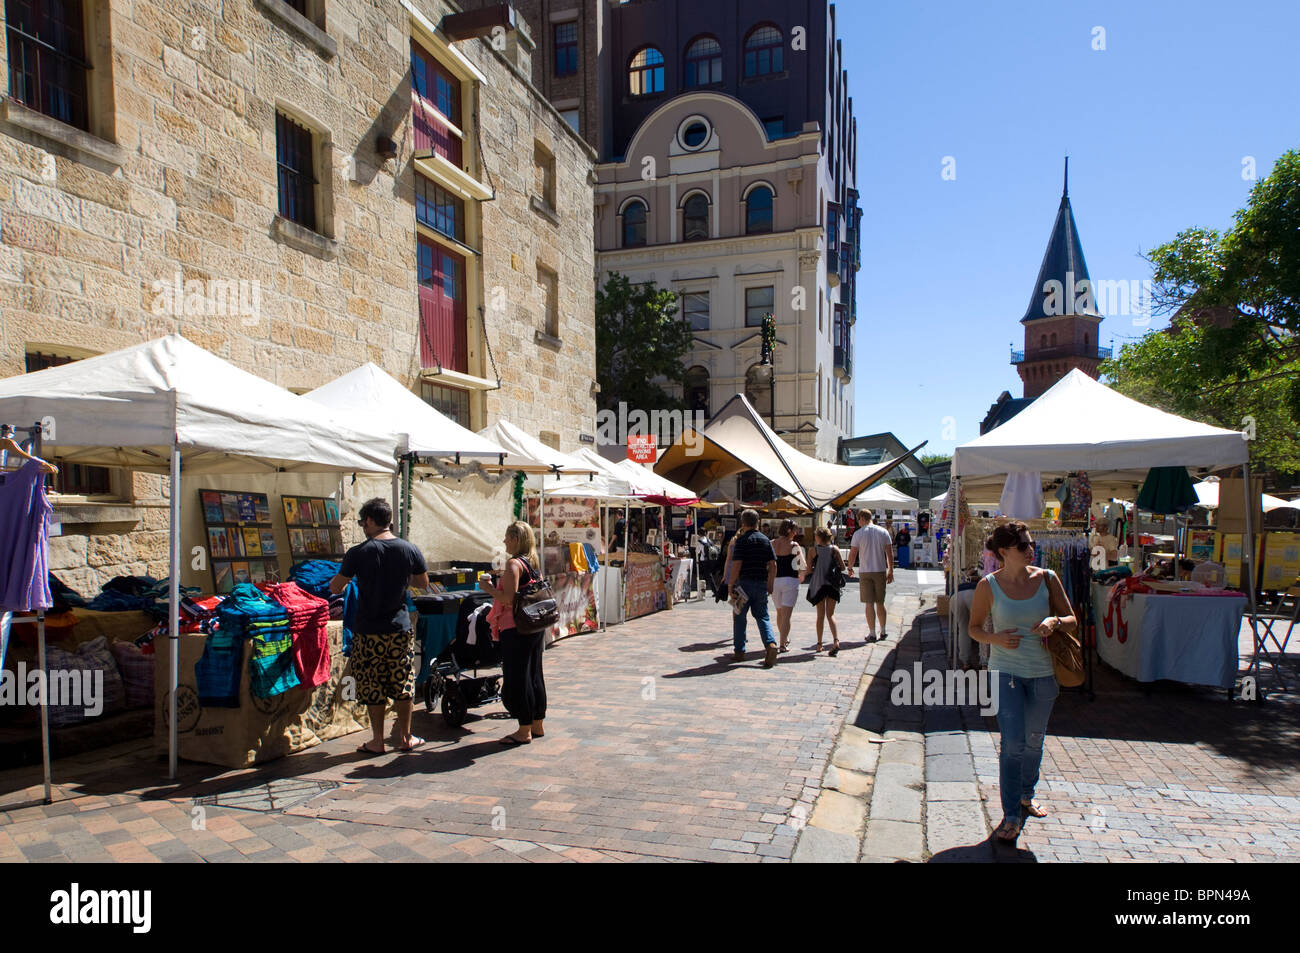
pixel 128 408
pixel 1208 493
pixel 737 439
pixel 527 453
pixel 884 495
pixel 371 392
pixel 1080 424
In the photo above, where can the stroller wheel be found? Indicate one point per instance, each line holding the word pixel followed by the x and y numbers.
pixel 454 708
pixel 433 689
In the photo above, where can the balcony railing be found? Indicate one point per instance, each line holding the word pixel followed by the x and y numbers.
pixel 843 362
pixel 1065 350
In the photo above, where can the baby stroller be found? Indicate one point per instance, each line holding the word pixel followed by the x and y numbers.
pixel 447 683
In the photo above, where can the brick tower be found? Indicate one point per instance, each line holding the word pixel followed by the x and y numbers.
pixel 1062 321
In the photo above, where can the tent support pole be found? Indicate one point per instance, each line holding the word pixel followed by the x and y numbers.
pixel 45 704
pixel 1248 578
pixel 173 613
pixel 541 521
pixel 956 549
pixel 397 494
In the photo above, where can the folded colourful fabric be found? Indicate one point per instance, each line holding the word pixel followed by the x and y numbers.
pixel 308 616
pixel 593 559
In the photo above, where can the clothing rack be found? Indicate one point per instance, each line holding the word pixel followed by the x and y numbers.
pixel 32 445
pixel 1072 540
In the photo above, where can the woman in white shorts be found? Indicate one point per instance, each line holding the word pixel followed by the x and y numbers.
pixel 785 591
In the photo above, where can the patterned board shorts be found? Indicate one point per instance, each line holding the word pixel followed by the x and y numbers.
pixel 383 665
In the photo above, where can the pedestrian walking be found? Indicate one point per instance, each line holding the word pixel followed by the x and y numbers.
pixel 383 646
pixel 872 552
pixel 789 573
pixel 825 584
pixel 1027 605
pixel 523 689
pixel 752 572
pixel 903 540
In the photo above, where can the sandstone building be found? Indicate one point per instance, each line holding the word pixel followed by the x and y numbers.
pixel 299 186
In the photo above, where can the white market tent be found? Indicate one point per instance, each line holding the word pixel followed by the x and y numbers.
pixel 168 406
pixel 884 495
pixel 529 454
pixel 1081 424
pixel 370 392
pixel 738 439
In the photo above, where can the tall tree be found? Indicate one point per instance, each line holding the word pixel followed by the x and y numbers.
pixel 1232 350
pixel 640 337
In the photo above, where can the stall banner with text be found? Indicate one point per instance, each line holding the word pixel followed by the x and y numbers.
pixel 569 519
pixel 575 595
pixel 643 585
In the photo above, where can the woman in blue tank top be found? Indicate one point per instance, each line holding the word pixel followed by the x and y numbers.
pixel 1026 604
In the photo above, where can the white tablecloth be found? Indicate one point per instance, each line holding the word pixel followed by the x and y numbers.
pixel 1183 638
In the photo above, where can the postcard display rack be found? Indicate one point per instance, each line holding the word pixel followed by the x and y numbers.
pixel 313 524
pixel 240 537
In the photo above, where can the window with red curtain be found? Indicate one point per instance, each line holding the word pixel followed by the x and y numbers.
pixel 435 103
pixel 440 275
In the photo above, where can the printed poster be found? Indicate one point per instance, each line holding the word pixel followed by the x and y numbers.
pixel 576 598
pixel 643 585
pixel 569 520
pixel 1281 560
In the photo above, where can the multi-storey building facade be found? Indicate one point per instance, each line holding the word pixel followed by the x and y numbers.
pixel 730 179
pixel 299 187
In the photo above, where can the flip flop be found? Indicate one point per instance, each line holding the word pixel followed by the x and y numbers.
pixel 835 651
pixel 1033 808
pixel 370 752
pixel 1007 832
pixel 416 742
pixel 510 741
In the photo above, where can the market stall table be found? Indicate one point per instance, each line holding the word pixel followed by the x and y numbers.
pixel 1190 639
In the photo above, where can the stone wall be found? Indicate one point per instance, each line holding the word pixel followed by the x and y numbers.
pixel 183 186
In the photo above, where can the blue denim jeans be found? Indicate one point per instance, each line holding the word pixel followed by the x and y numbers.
pixel 1024 705
pixel 756 589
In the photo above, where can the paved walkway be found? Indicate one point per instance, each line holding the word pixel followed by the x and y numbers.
pixel 1176 774
pixel 658 747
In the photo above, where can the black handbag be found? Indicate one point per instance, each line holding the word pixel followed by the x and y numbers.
pixel 535 607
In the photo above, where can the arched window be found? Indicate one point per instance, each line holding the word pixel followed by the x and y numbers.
pixel 703 62
pixel 758 388
pixel 764 51
pixel 1053 339
pixel 695 218
pixel 696 390
pixel 758 210
pixel 634 230
pixel 645 75
pixel 1042 342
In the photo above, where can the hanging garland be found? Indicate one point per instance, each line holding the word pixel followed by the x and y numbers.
pixel 519 494
pixel 453 471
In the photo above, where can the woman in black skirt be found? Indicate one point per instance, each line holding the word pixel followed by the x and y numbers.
pixel 821 593
pixel 523 689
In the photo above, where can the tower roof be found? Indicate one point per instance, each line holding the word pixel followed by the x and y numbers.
pixel 1063 259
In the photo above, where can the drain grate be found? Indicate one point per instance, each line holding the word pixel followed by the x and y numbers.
pixel 272 797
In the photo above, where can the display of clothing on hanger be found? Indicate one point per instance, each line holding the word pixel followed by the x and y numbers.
pixel 24 539
pixel 1022 496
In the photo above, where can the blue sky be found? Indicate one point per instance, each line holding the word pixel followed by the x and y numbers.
pixel 1156 126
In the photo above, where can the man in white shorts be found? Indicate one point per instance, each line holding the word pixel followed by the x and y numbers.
pixel 872 551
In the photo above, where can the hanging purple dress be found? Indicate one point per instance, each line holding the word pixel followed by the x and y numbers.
pixel 24 539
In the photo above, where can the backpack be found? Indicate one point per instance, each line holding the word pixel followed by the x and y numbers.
pixel 535 608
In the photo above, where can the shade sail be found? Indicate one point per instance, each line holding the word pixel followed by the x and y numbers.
pixel 128 408
pixel 886 496
pixel 374 394
pixel 736 439
pixel 529 454
pixel 1208 493
pixel 1080 424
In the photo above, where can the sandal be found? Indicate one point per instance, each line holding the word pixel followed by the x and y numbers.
pixel 1033 808
pixel 819 647
pixel 369 751
pixel 510 741
pixel 1007 832
pixel 835 650
pixel 415 742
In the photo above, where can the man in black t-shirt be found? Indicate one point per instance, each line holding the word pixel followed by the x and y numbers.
pixel 752 570
pixel 383 640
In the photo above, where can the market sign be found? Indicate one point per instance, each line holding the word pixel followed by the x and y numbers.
pixel 641 448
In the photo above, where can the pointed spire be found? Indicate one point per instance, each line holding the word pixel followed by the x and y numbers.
pixel 1063 263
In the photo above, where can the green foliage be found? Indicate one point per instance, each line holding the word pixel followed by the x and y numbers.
pixel 1245 364
pixel 640 336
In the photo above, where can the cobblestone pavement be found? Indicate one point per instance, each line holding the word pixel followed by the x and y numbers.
pixel 658 747
pixel 1174 773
